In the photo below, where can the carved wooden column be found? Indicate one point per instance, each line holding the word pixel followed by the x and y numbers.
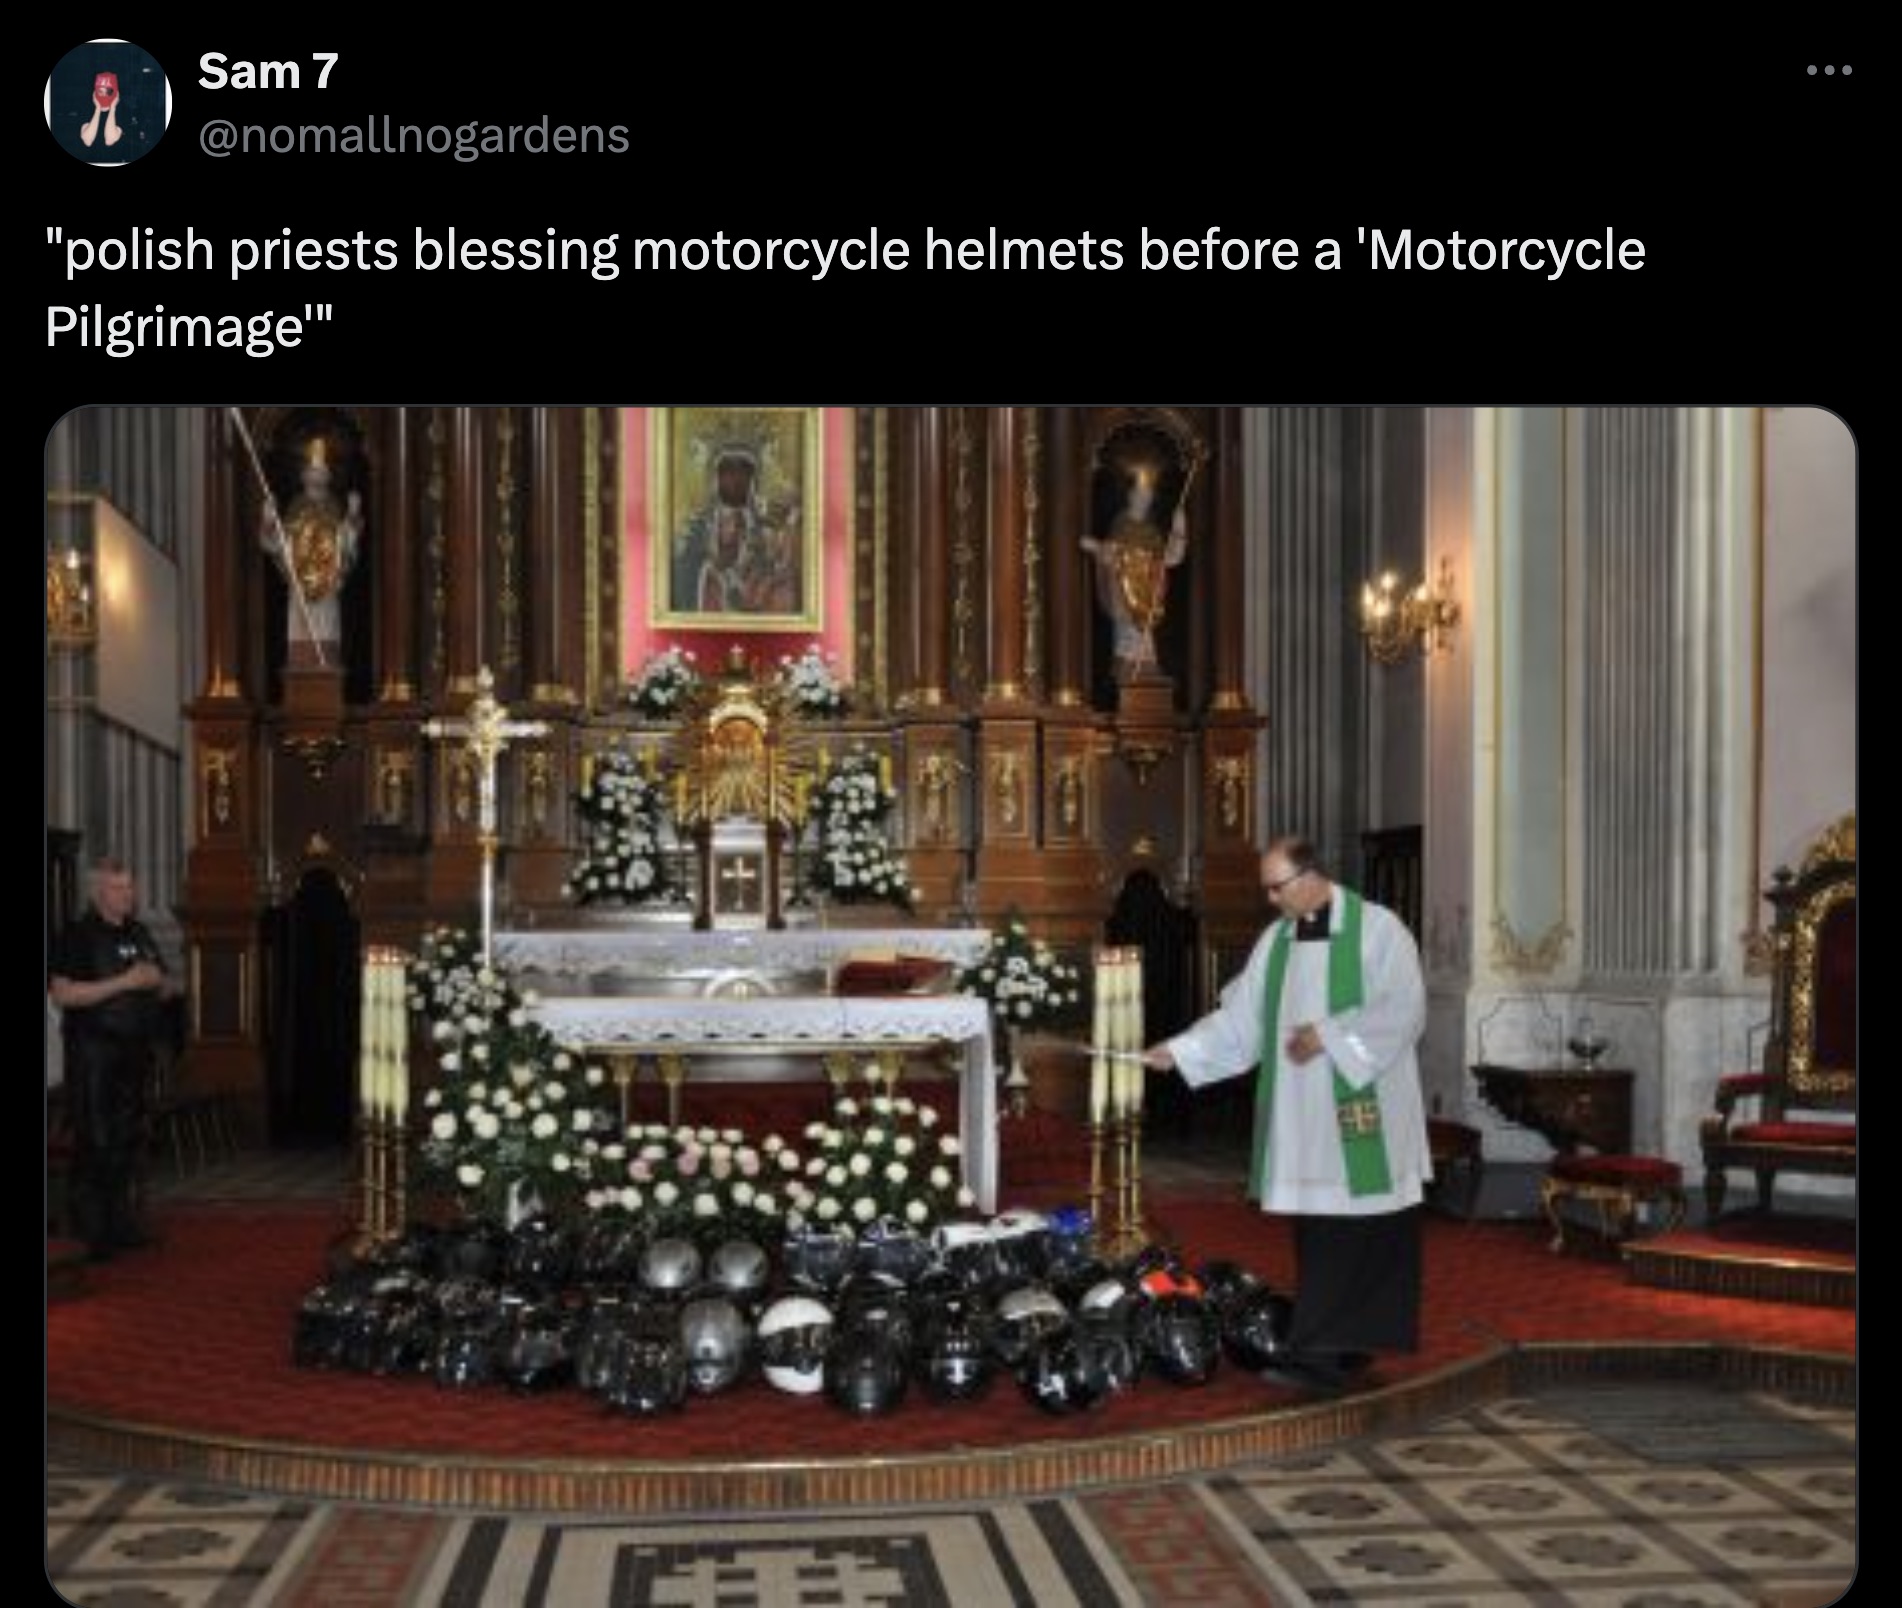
pixel 1004 683
pixel 1226 824
pixel 466 638
pixel 392 538
pixel 219 899
pixel 224 461
pixel 933 555
pixel 1065 560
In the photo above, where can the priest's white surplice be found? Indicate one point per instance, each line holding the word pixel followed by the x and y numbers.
pixel 1373 1047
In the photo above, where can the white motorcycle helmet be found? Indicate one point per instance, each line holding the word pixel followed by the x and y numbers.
pixel 793 1334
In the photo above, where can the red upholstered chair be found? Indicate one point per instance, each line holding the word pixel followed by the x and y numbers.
pixel 1790 1117
pixel 1620 1190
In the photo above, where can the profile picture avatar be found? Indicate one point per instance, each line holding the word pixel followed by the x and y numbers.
pixel 107 102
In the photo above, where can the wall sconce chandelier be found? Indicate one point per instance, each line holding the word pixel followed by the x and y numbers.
pixel 1395 623
pixel 72 613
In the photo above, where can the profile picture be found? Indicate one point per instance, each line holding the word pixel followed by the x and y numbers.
pixel 107 102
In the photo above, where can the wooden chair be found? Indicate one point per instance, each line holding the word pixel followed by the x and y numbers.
pixel 1785 1118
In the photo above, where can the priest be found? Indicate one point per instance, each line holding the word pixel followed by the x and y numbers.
pixel 1330 1007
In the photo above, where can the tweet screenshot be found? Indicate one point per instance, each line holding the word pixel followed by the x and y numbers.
pixel 897 998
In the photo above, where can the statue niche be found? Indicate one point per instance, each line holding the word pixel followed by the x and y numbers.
pixel 1142 473
pixel 737 792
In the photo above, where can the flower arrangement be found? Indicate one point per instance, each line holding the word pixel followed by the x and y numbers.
pixel 706 1183
pixel 663 684
pixel 882 1156
pixel 810 687
pixel 853 862
pixel 513 1114
pixel 620 813
pixel 1022 978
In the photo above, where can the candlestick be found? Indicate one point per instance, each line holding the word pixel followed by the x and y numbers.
pixel 680 798
pixel 366 1037
pixel 399 1044
pixel 1099 1085
pixel 885 772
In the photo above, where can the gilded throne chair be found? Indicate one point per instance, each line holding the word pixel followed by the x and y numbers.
pixel 1798 1114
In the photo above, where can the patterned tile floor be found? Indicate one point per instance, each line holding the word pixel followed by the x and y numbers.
pixel 1637 1496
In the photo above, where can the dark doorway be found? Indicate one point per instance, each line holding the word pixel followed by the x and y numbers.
pixel 311 1029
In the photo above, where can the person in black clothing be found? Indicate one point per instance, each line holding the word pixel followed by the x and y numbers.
pixel 110 984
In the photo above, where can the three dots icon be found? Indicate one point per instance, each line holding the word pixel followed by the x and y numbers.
pixel 1830 71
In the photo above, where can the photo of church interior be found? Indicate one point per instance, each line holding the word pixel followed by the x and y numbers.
pixel 660 911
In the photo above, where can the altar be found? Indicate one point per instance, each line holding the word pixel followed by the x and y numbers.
pixel 757 1005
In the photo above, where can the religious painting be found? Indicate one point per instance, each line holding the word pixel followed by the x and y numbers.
pixel 737 518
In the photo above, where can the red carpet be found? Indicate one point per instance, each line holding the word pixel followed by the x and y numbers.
pixel 196 1335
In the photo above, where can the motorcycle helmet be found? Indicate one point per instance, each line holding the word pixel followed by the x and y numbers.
pixel 794 1333
pixel 1025 1316
pixel 609 1251
pixel 1225 1282
pixel 1074 1280
pixel 1072 1236
pixel 533 1354
pixel 670 1266
pixel 539 1254
pixel 1180 1338
pixel 464 1353
pixel 472 1251
pixel 1164 1281
pixel 890 1247
pixel 876 1302
pixel 865 1372
pixel 967 1251
pixel 738 1269
pixel 952 1357
pixel 317 1332
pixel 647 1370
pixel 819 1258
pixel 1256 1328
pixel 717 1341
pixel 1106 1295
pixel 1022 1239
pixel 1109 1354
pixel 1054 1376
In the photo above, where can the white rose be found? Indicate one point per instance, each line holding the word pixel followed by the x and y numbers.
pixel 904 1144
pixel 765 1205
pixel 543 1127
pixel 916 1211
pixel 486 1126
pixel 858 1166
pixel 896 1173
pixel 940 1177
pixel 742 1193
pixel 666 1193
pixel 583 1119
pixel 559 1161
pixel 828 1209
pixel 631 1198
pixel 705 1206
pixel 468 1175
pixel 865 1208
pixel 966 1198
pixel 444 1126
pixel 950 1146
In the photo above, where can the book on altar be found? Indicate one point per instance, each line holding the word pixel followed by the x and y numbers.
pixel 889 972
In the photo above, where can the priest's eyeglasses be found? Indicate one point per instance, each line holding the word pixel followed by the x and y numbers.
pixel 1292 876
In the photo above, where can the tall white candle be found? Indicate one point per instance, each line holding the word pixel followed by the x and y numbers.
pixel 366 1037
pixel 399 1039
pixel 1099 1085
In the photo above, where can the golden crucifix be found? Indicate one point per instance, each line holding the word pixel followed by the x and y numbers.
pixel 485 731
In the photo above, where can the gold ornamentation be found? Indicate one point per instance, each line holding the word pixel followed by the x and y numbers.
pixel 436 522
pixel 1759 953
pixel 1142 758
pixel 1231 782
pixel 1394 624
pixel 462 801
pixel 1836 843
pixel 317 754
pixel 509 603
pixel 1511 953
pixel 219 766
pixel 1007 789
pixel 1033 553
pixel 963 547
pixel 1070 793
pixel 537 789
pixel 72 621
pixel 1807 1079
pixel 936 774
pixel 395 772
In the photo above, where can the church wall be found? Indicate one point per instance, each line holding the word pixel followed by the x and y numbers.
pixel 1809 630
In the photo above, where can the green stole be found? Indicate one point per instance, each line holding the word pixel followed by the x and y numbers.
pixel 1363 1146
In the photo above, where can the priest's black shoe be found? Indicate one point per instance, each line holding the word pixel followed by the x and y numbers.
pixel 1313 1373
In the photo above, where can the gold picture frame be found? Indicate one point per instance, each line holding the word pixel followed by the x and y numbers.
pixel 738 532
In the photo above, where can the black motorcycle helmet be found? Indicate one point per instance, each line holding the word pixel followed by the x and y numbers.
pixel 1055 1376
pixel 1225 1282
pixel 1256 1328
pixel 966 1251
pixel 470 1251
pixel 952 1356
pixel 877 1302
pixel 818 1259
pixel 465 1351
pixel 1109 1353
pixel 648 1370
pixel 608 1251
pixel 892 1248
pixel 865 1372
pixel 540 1253
pixel 1022 1240
pixel 534 1355
pixel 718 1343
pixel 1180 1337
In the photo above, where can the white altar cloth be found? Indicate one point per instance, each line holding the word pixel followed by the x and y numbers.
pixel 606 958
pixel 660 1023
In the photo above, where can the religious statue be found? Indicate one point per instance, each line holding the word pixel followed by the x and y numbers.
pixel 935 774
pixel 1132 572
pixel 314 544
